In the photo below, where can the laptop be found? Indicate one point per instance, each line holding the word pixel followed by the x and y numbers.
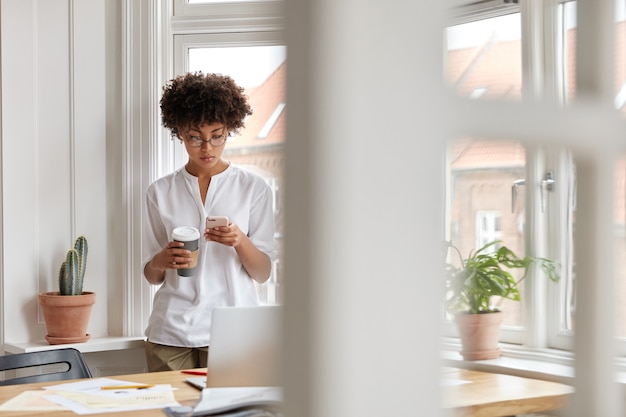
pixel 245 348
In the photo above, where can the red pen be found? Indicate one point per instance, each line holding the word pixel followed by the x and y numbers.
pixel 193 372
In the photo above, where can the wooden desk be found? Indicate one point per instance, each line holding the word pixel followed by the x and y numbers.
pixel 496 395
pixel 185 393
pixel 486 395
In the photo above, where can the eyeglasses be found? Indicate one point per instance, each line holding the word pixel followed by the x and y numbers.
pixel 215 140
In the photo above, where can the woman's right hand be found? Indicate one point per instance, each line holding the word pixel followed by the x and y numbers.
pixel 173 256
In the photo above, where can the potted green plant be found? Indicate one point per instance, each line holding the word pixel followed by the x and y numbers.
pixel 67 311
pixel 474 281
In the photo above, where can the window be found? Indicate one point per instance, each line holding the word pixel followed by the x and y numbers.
pixel 620 169
pixel 489 228
pixel 524 195
pixel 488 177
pixel 256 60
pixel 485 176
pixel 484 58
pixel 620 56
pixel 567 23
pixel 178 37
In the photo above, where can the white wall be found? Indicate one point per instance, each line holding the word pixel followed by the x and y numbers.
pixel 53 155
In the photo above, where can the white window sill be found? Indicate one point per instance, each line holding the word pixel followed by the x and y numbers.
pixel 546 364
pixel 97 344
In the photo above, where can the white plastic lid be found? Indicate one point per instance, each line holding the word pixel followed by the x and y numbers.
pixel 185 234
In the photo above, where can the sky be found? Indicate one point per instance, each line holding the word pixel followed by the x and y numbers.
pixel 476 33
pixel 248 66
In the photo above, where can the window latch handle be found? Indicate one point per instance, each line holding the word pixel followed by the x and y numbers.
pixel 516 184
pixel 547 184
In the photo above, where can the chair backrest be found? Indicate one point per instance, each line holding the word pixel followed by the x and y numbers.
pixel 69 358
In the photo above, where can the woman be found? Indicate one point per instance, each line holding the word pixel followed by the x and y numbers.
pixel 202 111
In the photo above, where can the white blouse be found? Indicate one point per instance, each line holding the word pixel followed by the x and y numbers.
pixel 181 314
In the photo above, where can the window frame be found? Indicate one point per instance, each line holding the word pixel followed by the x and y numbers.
pixel 484 235
pixel 224 11
pixel 542 79
pixel 148 62
pixel 173 155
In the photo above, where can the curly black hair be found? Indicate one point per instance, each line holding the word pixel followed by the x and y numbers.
pixel 195 98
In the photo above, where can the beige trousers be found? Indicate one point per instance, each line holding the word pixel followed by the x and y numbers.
pixel 170 358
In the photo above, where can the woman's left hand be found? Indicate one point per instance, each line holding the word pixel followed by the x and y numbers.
pixel 226 235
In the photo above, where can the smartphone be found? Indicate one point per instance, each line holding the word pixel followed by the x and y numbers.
pixel 216 221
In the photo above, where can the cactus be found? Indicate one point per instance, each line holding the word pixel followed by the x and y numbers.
pixel 72 270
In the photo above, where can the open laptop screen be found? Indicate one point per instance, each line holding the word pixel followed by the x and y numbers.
pixel 245 347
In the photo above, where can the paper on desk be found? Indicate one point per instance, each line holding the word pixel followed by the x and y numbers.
pixel 232 402
pixel 93 404
pixel 31 401
pixel 92 385
pixel 219 400
pixel 87 397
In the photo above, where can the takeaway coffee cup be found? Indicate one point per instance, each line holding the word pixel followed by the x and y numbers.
pixel 190 237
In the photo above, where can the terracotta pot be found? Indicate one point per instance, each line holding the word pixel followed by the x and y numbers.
pixel 67 316
pixel 479 335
